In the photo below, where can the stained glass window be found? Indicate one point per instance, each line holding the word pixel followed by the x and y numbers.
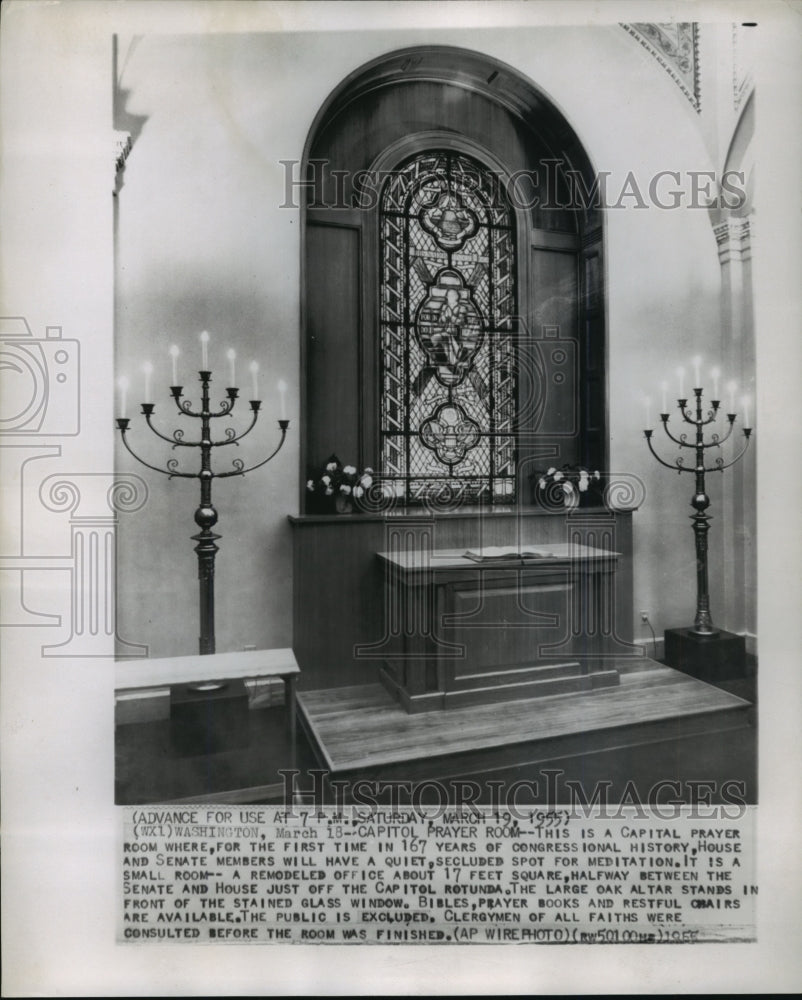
pixel 447 310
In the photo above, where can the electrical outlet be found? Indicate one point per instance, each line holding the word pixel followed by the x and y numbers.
pixel 644 616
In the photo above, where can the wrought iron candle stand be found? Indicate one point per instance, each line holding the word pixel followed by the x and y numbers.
pixel 679 642
pixel 206 514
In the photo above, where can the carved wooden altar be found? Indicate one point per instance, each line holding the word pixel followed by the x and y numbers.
pixel 346 625
pixel 477 632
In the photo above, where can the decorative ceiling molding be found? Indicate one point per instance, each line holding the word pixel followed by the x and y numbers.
pixel 675 46
pixel 733 239
pixel 742 79
pixel 123 145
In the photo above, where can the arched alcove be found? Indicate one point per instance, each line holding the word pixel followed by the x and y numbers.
pixel 410 114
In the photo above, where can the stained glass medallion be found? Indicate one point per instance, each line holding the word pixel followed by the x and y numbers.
pixel 448 327
pixel 449 222
pixel 450 433
pixel 447 310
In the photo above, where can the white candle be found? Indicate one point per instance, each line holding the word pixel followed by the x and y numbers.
pixel 731 387
pixel 697 378
pixel 122 383
pixel 715 375
pixel 282 394
pixel 232 358
pixel 147 368
pixel 254 367
pixel 745 405
pixel 664 388
pixel 647 408
pixel 204 339
pixel 681 377
pixel 174 352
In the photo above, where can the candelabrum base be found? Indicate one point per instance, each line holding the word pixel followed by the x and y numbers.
pixel 707 632
pixel 719 657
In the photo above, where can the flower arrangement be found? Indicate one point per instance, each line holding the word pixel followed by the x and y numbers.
pixel 569 480
pixel 340 485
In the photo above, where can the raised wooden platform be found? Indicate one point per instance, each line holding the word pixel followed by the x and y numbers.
pixel 362 732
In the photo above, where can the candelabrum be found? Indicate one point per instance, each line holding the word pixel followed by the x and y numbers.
pixel 703 624
pixel 206 514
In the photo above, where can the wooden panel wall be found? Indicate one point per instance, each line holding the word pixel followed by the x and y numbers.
pixel 550 434
pixel 333 376
pixel 593 400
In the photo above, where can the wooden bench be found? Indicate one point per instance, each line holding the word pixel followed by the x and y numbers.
pixel 154 677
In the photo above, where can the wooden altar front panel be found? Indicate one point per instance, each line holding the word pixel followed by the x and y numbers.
pixel 495 631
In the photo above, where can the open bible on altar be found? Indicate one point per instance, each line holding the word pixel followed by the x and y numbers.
pixel 509 553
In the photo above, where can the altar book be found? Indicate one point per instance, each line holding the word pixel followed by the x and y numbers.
pixel 507 553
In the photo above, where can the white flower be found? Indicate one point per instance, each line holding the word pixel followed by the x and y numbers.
pixel 541 484
pixel 558 476
pixel 310 484
pixel 551 471
pixel 326 480
pixel 368 471
pixel 349 470
pixel 366 481
pixel 583 485
pixel 358 491
pixel 329 491
pixel 568 489
pixel 331 467
pixel 345 489
pixel 597 474
pixel 583 473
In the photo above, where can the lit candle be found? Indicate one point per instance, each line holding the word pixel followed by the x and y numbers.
pixel 745 405
pixel 122 383
pixel 232 358
pixel 681 377
pixel 647 407
pixel 254 367
pixel 147 368
pixel 282 395
pixel 204 339
pixel 174 356
pixel 731 387
pixel 715 375
pixel 697 378
pixel 664 387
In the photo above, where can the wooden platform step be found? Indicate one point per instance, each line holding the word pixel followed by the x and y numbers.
pixel 356 728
